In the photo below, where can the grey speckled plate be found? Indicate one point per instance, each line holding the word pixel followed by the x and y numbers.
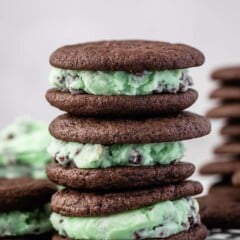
pixel 226 234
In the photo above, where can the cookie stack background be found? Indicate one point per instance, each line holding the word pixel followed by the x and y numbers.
pixel 118 149
pixel 221 208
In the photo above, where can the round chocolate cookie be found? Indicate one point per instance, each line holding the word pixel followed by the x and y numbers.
pixel 24 193
pixel 198 232
pixel 226 93
pixel 181 126
pixel 94 105
pixel 231 110
pixel 227 74
pixel 223 215
pixel 119 177
pixel 231 130
pixel 126 55
pixel 228 147
pixel 69 202
pixel 226 167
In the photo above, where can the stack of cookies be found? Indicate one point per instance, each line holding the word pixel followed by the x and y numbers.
pixel 226 163
pixel 118 149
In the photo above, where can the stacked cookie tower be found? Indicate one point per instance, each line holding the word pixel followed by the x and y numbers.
pixel 118 149
pixel 226 164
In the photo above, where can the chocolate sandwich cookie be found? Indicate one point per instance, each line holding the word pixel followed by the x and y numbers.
pixel 228 148
pixel 24 210
pixel 227 74
pixel 224 215
pixel 230 110
pixel 123 78
pixel 95 105
pixel 158 212
pixel 108 154
pixel 221 167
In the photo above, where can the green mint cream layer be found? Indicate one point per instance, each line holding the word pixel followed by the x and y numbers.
pixel 102 156
pixel 119 82
pixel 160 220
pixel 19 223
pixel 24 143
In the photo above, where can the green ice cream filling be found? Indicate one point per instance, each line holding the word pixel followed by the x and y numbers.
pixel 102 156
pixel 119 82
pixel 19 223
pixel 160 220
pixel 23 148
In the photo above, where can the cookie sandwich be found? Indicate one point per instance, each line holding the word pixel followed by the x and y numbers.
pixel 118 150
pixel 24 209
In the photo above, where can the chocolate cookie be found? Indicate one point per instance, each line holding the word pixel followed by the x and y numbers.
pixel 226 93
pixel 74 203
pixel 227 167
pixel 198 232
pixel 227 73
pixel 119 177
pixel 231 130
pixel 129 55
pixel 228 147
pixel 174 127
pixel 223 215
pixel 24 193
pixel 225 111
pixel 93 105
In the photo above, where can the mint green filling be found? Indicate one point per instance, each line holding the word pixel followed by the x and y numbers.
pixel 160 220
pixel 18 223
pixel 101 156
pixel 24 143
pixel 119 82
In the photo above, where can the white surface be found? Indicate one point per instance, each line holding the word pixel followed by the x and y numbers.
pixel 31 30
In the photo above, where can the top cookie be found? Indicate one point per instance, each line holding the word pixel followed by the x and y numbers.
pixel 227 73
pixel 126 55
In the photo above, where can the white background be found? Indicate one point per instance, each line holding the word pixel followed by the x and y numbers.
pixel 30 30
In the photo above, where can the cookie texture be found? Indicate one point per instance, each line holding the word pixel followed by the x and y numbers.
pixel 227 167
pixel 227 73
pixel 224 215
pixel 119 177
pixel 198 232
pixel 69 202
pixel 228 147
pixel 231 110
pixel 226 93
pixel 126 55
pixel 181 126
pixel 93 105
pixel 24 193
